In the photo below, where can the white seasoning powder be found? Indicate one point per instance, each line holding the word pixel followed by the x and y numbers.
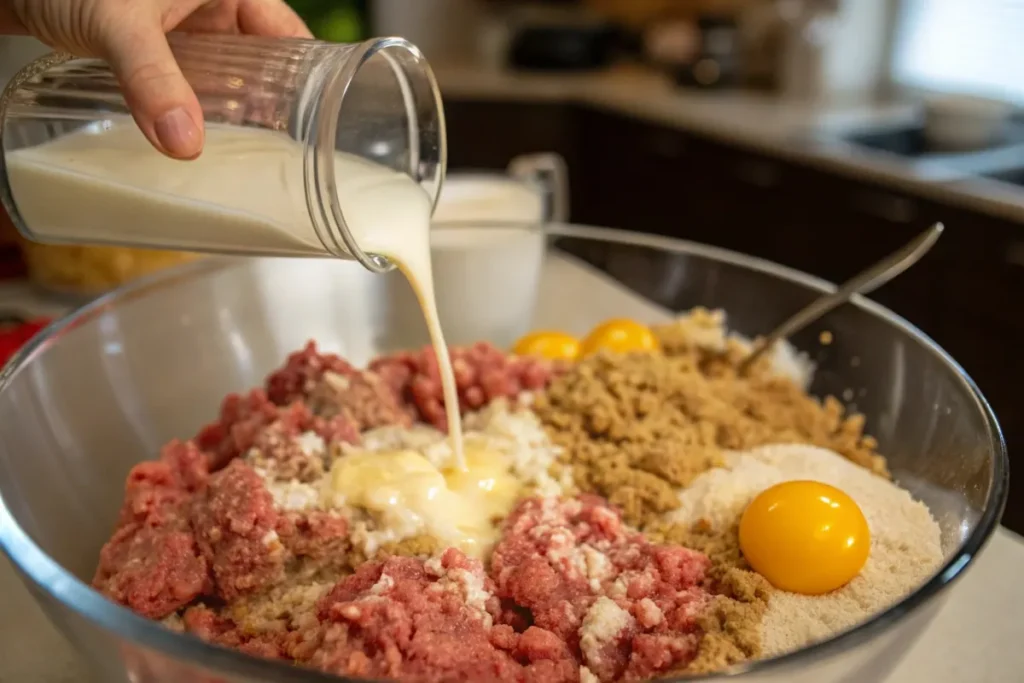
pixel 603 622
pixel 905 540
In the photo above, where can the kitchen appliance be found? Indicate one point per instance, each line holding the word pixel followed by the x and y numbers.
pixel 556 38
pixel 153 361
pixel 563 48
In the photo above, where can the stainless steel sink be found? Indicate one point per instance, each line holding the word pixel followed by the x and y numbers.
pixel 903 145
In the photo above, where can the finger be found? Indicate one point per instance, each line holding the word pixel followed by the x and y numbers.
pixel 159 97
pixel 271 18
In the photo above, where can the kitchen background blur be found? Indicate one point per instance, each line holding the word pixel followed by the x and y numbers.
pixel 820 134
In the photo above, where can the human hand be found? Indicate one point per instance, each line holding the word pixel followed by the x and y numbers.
pixel 131 35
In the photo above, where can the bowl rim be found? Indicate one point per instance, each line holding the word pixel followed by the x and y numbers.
pixel 61 585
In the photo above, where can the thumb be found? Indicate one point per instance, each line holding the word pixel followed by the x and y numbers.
pixel 161 100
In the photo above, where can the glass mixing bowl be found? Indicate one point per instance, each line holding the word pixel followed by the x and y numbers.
pixel 103 389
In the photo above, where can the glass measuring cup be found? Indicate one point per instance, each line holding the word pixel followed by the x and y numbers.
pixel 377 100
pixel 489 229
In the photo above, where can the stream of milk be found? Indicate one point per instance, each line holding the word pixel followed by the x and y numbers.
pixel 245 193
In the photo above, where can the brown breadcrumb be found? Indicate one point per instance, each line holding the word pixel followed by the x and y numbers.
pixel 636 428
pixel 732 624
pixel 414 546
pixel 423 546
pixel 731 634
pixel 282 608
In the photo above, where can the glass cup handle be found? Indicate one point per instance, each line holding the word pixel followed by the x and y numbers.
pixel 548 170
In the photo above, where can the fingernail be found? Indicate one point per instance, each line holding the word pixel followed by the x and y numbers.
pixel 178 133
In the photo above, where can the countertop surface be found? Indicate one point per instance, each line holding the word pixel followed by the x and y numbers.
pixel 800 131
pixel 975 637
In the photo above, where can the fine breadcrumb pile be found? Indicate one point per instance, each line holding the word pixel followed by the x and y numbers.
pixel 905 541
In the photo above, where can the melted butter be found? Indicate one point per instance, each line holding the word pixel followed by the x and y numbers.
pixel 408 494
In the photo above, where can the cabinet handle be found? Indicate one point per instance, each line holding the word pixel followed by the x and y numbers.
pixel 887 207
pixel 758 173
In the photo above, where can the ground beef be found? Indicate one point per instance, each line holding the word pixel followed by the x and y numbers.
pixel 573 594
pixel 235 526
pixel 363 397
pixel 207 624
pixel 284 454
pixel 430 621
pixel 241 419
pixel 301 372
pixel 482 374
pixel 152 563
pixel 315 535
pixel 625 606
pixel 245 420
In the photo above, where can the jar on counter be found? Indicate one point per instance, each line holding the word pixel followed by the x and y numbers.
pixel 81 273
pixel 78 273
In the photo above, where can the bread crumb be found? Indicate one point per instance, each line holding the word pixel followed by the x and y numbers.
pixel 655 432
pixel 634 428
pixel 905 540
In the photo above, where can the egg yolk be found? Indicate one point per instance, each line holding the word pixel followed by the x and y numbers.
pixel 619 336
pixel 805 537
pixel 550 345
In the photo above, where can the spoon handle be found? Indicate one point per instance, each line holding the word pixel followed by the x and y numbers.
pixel 862 283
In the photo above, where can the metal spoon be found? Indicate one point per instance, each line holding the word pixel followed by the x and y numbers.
pixel 862 283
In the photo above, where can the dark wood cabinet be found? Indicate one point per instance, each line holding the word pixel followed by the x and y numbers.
pixel 631 174
pixel 487 135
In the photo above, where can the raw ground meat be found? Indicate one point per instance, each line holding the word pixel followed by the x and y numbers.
pixel 429 621
pixel 627 607
pixel 570 588
pixel 235 525
pixel 572 593
pixel 482 374
pixel 243 419
pixel 300 373
pixel 152 563
pixel 364 397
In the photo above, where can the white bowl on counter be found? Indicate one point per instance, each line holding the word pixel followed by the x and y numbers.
pixel 487 247
pixel 965 122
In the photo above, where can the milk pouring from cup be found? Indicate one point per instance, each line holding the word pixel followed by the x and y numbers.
pixel 312 149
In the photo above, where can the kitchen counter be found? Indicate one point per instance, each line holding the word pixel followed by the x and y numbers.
pixel 974 637
pixel 803 132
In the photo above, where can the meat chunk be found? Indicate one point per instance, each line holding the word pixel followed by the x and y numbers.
pixel 235 525
pixel 241 420
pixel 363 397
pixel 315 534
pixel 152 564
pixel 626 606
pixel 253 421
pixel 301 372
pixel 483 373
pixel 153 570
pixel 429 621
